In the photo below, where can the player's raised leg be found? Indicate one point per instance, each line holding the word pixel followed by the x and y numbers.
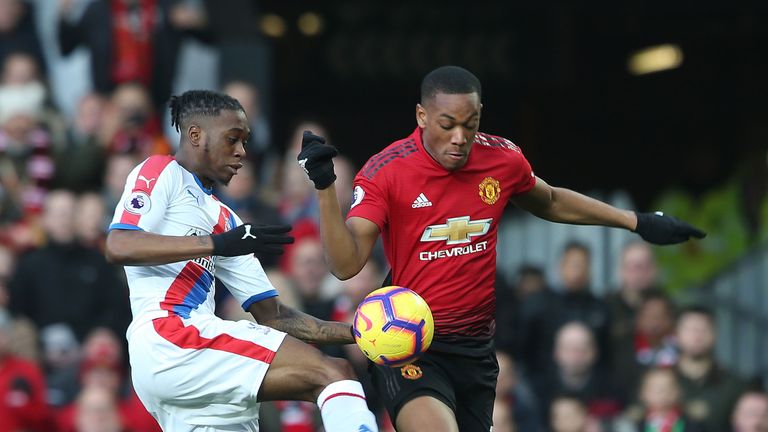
pixel 300 371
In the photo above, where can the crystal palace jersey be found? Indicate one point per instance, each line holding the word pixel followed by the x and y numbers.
pixel 162 197
pixel 439 227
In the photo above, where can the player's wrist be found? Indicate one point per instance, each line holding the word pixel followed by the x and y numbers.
pixel 325 182
pixel 217 243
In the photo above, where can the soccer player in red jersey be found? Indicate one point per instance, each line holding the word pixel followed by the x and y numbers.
pixel 436 198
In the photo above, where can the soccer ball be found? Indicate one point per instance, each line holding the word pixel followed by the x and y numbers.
pixel 393 326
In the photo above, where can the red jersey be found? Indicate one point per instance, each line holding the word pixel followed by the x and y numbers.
pixel 439 227
pixel 22 396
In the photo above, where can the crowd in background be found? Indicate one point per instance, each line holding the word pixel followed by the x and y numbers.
pixel 569 360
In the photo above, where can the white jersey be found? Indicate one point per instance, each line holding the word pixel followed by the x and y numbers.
pixel 192 370
pixel 161 197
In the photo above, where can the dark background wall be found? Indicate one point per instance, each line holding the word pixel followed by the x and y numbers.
pixel 555 82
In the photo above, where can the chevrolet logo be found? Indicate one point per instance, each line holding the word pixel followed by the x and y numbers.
pixel 457 230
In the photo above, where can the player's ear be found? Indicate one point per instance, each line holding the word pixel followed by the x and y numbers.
pixel 421 116
pixel 195 135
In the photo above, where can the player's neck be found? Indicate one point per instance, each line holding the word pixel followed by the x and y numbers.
pixel 189 163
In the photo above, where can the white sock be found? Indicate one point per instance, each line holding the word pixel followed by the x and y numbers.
pixel 344 409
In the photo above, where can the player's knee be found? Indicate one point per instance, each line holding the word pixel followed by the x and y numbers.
pixel 332 370
pixel 343 369
pixel 336 369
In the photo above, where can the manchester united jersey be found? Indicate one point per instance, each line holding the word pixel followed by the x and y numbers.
pixel 439 227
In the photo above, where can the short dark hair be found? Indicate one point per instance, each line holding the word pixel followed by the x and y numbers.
pixel 449 80
pixel 696 309
pixel 657 295
pixel 578 246
pixel 200 103
pixel 530 270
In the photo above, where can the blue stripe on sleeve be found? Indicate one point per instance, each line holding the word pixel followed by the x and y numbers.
pixel 124 226
pixel 259 297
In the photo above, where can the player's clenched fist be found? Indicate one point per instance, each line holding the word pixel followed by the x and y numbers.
pixel 661 229
pixel 316 158
pixel 249 238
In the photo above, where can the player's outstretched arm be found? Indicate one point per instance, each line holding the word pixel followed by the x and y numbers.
pixel 347 244
pixel 270 312
pixel 567 206
pixel 136 247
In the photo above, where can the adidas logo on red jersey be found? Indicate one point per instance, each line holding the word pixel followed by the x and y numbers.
pixel 421 201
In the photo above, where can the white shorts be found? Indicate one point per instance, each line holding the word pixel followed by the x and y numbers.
pixel 201 371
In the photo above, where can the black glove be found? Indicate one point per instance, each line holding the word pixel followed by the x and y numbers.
pixel 660 229
pixel 250 238
pixel 316 158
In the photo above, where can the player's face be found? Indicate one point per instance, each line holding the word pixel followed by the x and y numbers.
pixel 224 147
pixel 449 123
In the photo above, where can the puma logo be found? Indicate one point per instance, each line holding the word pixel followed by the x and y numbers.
pixel 302 164
pixel 147 181
pixel 248 233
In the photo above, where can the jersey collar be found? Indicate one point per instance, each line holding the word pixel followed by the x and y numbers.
pixel 208 191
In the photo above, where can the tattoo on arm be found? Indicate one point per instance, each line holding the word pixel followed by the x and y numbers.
pixel 310 329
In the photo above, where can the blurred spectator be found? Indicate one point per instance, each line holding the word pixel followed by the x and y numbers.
pixel 307 273
pixel 545 312
pixel 529 280
pixel 260 151
pixel 577 374
pixel 80 158
pixel 296 198
pixel 569 414
pixel 104 366
pixel 7 264
pixel 502 418
pixel 22 388
pixel 131 124
pixel 23 70
pixel 514 394
pixel 652 344
pixel 655 343
pixel 20 68
pixel 117 170
pixel 24 340
pixel 61 363
pixel 661 404
pixel 17 30
pixel 97 411
pixel 26 165
pixel 94 292
pixel 293 147
pixel 638 273
pixel 710 391
pixel 132 40
pixel 354 290
pixel 750 413
pixel 90 228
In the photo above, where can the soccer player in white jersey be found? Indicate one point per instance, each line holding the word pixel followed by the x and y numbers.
pixel 192 370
